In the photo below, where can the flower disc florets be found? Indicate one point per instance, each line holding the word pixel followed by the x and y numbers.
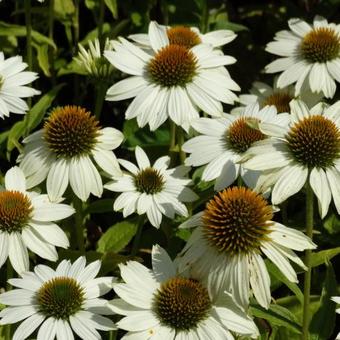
pixel 149 181
pixel 183 36
pixel 280 100
pixel 237 221
pixel 181 303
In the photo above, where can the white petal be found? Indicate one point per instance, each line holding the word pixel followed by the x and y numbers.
pixel 126 88
pixel 107 161
pixel 47 330
pixel 319 183
pixel 157 36
pixel 90 272
pixel 83 329
pixel 4 242
pixel 18 253
pixel 333 177
pixel 57 179
pixel 162 265
pixel 15 314
pixel 259 280
pixel 138 321
pixel 28 327
pixel 142 159
pixel 299 27
pixel 79 181
pixel 98 287
pixel 46 211
pixel 289 183
pixel 64 331
pixel 15 179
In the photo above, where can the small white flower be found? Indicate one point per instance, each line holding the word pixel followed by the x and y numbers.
pixel 305 149
pixel 264 94
pixel 12 85
pixel 60 301
pixel 154 190
pixel 310 56
pixel 163 304
pixel 26 221
pixel 64 150
pixel 95 64
pixel 232 234
pixel 187 37
pixel 170 81
pixel 223 142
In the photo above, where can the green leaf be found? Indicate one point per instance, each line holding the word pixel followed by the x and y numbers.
pixel 277 315
pixel 273 270
pixel 42 55
pixel 320 257
pixel 117 237
pixel 323 321
pixel 38 111
pixel 332 223
pixel 112 5
pixel 20 31
pixel 17 130
pixel 100 206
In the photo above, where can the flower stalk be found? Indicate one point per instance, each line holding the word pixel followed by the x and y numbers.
pixel 308 253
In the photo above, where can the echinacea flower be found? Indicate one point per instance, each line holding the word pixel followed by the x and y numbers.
pixel 13 79
pixel 310 56
pixel 64 150
pixel 26 221
pixel 153 190
pixel 223 141
pixel 93 61
pixel 264 94
pixel 305 149
pixel 187 37
pixel 170 81
pixel 164 304
pixel 59 302
pixel 232 235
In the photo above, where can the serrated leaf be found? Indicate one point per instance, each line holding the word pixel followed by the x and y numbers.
pixel 277 315
pixel 320 257
pixel 273 270
pixel 323 321
pixel 117 237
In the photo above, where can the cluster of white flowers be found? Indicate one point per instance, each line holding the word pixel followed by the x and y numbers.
pixel 280 140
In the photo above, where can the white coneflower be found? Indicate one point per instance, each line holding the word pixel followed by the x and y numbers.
pixel 305 149
pixel 152 190
pixel 310 56
pixel 264 94
pixel 95 64
pixel 60 301
pixel 163 304
pixel 223 141
pixel 233 233
pixel 26 221
pixel 12 85
pixel 187 37
pixel 170 81
pixel 64 150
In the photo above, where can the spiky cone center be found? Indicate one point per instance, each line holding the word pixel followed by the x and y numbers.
pixel 149 181
pixel 321 45
pixel 241 134
pixel 280 99
pixel 314 142
pixel 71 131
pixel 183 36
pixel 173 65
pixel 15 211
pixel 181 303
pixel 236 221
pixel 60 297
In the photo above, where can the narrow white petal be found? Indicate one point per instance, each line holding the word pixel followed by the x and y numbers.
pixel 47 330
pixel 4 242
pixel 83 329
pixel 17 252
pixel 157 36
pixel 57 179
pixel 15 179
pixel 28 327
pixel 11 315
pixel 64 331
pixel 162 264
pixel 141 157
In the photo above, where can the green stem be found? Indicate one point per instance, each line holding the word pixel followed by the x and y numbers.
pixel 172 142
pixel 101 21
pixel 308 274
pixel 180 137
pixel 240 181
pixel 50 35
pixel 101 92
pixel 28 21
pixel 136 241
pixel 204 17
pixel 75 50
pixel 112 335
pixel 9 275
pixel 79 223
